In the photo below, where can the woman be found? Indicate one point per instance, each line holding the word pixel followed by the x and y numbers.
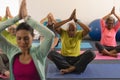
pixel 50 24
pixel 109 28
pixel 26 62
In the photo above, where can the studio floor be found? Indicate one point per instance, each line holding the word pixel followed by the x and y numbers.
pixel 101 68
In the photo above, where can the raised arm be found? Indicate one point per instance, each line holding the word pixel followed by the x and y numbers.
pixel 44 19
pixel 85 28
pixel 4 44
pixel 45 46
pixel 22 15
pixel 109 14
pixel 58 25
pixel 50 21
pixel 8 13
pixel 47 18
pixel 50 16
pixel 113 12
pixel 7 23
pixel 48 36
pixel 106 16
pixel 55 42
pixel 23 10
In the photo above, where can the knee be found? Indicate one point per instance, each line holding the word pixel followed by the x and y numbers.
pixel 117 49
pixel 91 54
pixel 99 47
pixel 52 54
pixel 97 44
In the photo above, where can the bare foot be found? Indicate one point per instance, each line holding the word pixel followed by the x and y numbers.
pixel 107 53
pixel 113 55
pixel 68 70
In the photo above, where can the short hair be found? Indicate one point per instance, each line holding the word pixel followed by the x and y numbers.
pixel 25 26
pixel 110 18
pixel 71 23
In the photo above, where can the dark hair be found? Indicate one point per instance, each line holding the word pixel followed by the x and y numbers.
pixel 25 26
pixel 110 18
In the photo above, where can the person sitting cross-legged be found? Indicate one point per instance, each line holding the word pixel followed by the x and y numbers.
pixel 70 60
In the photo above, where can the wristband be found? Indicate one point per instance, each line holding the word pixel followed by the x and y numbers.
pixel 76 20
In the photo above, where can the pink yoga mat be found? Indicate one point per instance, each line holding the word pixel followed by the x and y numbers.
pixel 101 57
pixel 3 77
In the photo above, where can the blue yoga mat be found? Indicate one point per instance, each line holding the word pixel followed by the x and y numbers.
pixel 83 44
pixel 92 71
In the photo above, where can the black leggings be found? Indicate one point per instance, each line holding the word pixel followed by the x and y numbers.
pixel 80 62
pixel 109 48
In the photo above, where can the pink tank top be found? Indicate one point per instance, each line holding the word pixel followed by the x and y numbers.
pixel 108 37
pixel 25 71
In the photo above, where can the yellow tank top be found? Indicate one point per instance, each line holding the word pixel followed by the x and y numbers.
pixel 70 46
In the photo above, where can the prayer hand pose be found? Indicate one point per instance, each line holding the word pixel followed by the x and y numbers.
pixel 26 62
pixel 70 59
pixel 109 28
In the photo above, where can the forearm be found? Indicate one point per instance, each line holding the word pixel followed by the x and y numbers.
pixel 55 42
pixel 7 23
pixel 59 24
pixel 117 17
pixel 48 36
pixel 40 28
pixel 44 19
pixel 84 27
pixel 105 17
pixel 53 45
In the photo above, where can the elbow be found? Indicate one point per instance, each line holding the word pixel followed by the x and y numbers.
pixel 51 35
pixel 88 30
pixel 56 26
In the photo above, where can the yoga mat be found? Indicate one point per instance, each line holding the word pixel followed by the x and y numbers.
pixel 3 77
pixel 86 45
pixel 83 45
pixel 100 56
pixel 92 71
